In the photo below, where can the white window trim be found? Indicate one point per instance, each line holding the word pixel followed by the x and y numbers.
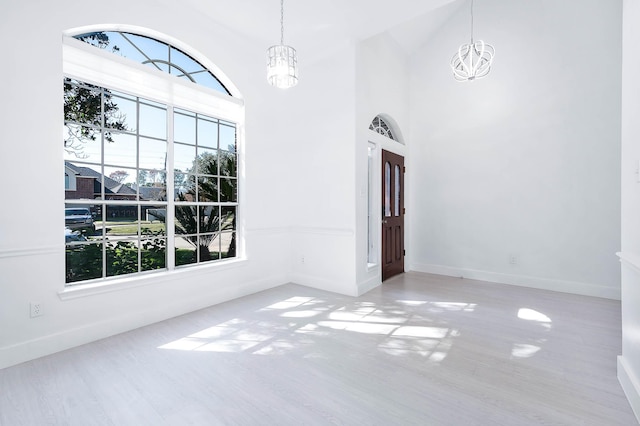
pixel 87 63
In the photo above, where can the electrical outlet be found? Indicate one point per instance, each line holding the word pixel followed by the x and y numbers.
pixel 513 259
pixel 36 309
pixel 302 260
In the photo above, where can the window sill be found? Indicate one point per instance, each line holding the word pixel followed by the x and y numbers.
pixel 152 278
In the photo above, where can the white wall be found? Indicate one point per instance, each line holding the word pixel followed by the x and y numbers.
pixel 525 162
pixel 629 362
pixel 382 87
pixel 31 245
pixel 321 198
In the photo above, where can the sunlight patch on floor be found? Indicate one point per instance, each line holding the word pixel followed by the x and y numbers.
pixel 533 315
pixel 297 323
pixel 522 350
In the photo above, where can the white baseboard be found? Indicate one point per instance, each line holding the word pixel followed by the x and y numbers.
pixel 369 285
pixel 631 386
pixel 333 286
pixel 67 339
pixel 563 286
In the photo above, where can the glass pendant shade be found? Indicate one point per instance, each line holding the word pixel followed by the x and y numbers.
pixel 282 66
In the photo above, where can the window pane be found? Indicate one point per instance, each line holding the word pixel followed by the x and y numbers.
pixel 153 154
pixel 209 247
pixel 186 219
pixel 120 150
pixel 183 157
pixel 124 48
pixel 153 254
pixel 228 245
pixel 185 251
pixel 122 222
pixel 228 221
pixel 228 190
pixel 227 138
pixel 79 222
pixel 155 218
pixel 153 191
pixel 371 228
pixel 120 183
pixel 228 164
pixel 153 121
pixel 184 127
pixel 208 80
pixel 83 262
pixel 98 221
pixel 82 143
pixel 207 189
pixel 186 192
pixel 82 103
pixel 153 49
pixel 184 62
pixel 87 181
pixel 207 161
pixel 125 112
pixel 122 257
pixel 151 178
pixel 396 196
pixel 209 219
pixel 207 133
pixel 387 189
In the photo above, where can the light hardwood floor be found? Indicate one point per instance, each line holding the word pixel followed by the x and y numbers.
pixel 420 350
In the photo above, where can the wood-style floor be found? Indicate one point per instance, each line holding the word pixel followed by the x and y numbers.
pixel 420 350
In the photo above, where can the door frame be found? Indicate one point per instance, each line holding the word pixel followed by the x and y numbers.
pixel 379 143
pixel 392 243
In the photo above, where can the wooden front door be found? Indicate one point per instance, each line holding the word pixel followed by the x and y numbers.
pixel 392 214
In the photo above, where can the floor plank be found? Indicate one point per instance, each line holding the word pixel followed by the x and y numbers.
pixel 420 350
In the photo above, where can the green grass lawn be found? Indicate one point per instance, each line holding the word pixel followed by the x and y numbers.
pixel 131 228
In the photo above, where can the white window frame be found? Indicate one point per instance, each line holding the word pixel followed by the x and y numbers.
pixel 89 64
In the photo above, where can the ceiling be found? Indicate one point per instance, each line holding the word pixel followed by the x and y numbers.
pixel 315 26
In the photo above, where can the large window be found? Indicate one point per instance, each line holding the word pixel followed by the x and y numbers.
pixel 155 183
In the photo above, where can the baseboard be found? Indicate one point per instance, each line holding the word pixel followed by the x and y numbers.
pixel 331 285
pixel 631 386
pixel 67 339
pixel 563 286
pixel 369 285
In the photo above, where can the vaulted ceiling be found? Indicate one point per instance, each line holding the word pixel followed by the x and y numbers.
pixel 315 26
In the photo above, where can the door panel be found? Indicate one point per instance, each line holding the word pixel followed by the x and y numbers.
pixel 392 214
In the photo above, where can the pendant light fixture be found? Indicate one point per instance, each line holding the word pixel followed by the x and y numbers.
pixel 472 60
pixel 282 61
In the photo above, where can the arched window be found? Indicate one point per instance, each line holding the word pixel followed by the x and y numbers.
pixel 378 125
pixel 154 160
pixel 154 53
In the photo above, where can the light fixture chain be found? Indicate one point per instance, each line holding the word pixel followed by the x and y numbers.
pixel 472 21
pixel 281 21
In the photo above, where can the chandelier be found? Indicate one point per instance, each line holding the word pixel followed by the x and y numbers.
pixel 282 61
pixel 473 60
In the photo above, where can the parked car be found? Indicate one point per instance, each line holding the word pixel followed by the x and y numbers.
pixel 73 236
pixel 79 218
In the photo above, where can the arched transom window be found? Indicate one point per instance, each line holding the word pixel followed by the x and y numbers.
pixel 154 53
pixel 378 125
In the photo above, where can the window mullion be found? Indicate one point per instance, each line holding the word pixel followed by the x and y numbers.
pixel 170 216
